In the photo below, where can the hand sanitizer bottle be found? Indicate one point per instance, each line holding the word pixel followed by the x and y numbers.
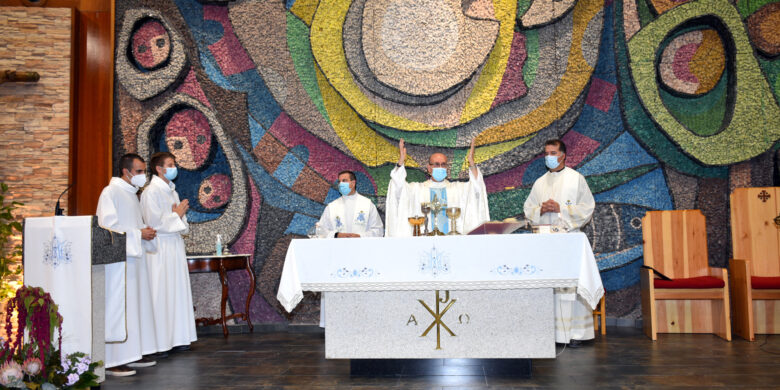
pixel 219 245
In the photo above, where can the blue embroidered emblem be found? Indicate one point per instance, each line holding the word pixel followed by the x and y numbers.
pixel 57 252
pixel 434 262
pixel 346 273
pixel 361 217
pixel 507 270
pixel 338 223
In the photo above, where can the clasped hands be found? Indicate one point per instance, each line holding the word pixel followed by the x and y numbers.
pixel 550 206
pixel 148 233
pixel 181 208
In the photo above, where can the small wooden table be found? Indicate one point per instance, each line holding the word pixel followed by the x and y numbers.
pixel 222 264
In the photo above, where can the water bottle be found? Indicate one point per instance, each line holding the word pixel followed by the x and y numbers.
pixel 219 245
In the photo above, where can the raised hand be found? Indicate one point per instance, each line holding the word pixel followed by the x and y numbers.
pixel 470 157
pixel 402 150
pixel 471 152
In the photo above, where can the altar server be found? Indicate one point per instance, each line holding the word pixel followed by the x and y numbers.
pixel 129 317
pixel 168 273
pixel 562 197
pixel 404 199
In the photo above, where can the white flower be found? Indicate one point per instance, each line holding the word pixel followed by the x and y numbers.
pixel 11 374
pixel 32 366
pixel 72 379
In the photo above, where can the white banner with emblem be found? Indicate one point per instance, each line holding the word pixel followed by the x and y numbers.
pixel 57 258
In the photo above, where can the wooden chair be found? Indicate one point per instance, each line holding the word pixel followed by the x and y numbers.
pixel 755 268
pixel 600 313
pixel 696 299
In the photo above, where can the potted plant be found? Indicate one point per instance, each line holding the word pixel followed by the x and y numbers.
pixel 31 360
pixel 9 255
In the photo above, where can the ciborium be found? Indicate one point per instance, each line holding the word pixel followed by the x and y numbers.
pixel 416 222
pixel 453 213
pixel 436 206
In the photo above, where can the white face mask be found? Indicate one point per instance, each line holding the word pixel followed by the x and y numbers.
pixel 138 180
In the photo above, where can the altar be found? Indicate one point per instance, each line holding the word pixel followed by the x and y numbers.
pixel 484 296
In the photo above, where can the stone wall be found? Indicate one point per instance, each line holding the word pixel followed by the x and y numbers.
pixel 35 119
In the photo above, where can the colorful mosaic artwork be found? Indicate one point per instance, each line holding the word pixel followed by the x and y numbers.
pixel 664 104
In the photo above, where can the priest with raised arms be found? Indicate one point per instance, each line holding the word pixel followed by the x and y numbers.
pixel 129 316
pixel 562 197
pixel 404 199
pixel 169 276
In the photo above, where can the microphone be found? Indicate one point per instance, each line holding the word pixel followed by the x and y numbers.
pixel 57 209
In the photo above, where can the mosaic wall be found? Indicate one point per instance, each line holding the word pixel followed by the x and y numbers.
pixel 665 104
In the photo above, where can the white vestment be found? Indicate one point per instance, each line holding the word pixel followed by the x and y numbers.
pixel 573 316
pixel 118 209
pixel 349 214
pixel 404 199
pixel 169 276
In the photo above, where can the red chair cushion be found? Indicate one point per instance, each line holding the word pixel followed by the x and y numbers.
pixel 765 283
pixel 697 282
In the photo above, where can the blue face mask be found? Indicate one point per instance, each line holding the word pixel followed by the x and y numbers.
pixel 439 174
pixel 170 173
pixel 551 162
pixel 344 188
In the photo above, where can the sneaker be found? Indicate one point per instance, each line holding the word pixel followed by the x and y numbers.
pixel 159 355
pixel 181 348
pixel 120 371
pixel 144 362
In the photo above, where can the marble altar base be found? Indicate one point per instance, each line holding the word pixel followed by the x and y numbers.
pixel 475 324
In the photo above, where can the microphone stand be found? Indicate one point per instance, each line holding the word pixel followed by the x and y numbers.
pixel 57 209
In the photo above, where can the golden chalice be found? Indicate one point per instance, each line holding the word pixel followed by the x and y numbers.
pixel 453 213
pixel 416 222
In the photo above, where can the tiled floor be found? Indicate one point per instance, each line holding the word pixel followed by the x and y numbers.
pixel 624 359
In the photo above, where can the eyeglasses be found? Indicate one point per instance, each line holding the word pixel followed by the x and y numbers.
pixel 439 165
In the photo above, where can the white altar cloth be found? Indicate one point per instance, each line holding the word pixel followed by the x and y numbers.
pixel 482 262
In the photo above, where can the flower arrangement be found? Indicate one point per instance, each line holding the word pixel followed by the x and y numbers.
pixel 36 363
